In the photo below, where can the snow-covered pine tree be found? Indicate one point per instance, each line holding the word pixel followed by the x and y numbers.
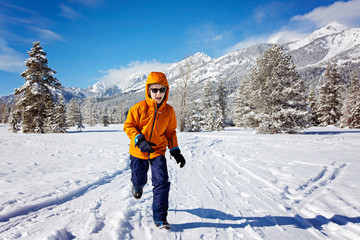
pixel 122 106
pixel 105 119
pixel 50 114
pixel 221 100
pixel 217 119
pixel 244 112
pixel 274 99
pixel 37 91
pixel 350 115
pixel 312 104
pixel 79 124
pixel 14 121
pixel 59 121
pixel 211 109
pixel 355 113
pixel 74 116
pixel 208 96
pixel 4 113
pixel 112 115
pixel 195 120
pixel 329 110
pixel 88 112
pixel 96 114
pixel 206 104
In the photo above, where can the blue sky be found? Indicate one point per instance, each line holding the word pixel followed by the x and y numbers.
pixel 91 40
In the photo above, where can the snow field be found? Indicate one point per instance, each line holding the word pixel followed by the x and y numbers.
pixel 235 185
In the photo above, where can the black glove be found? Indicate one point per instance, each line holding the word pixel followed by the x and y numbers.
pixel 178 157
pixel 144 145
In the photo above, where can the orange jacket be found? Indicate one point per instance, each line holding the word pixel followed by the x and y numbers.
pixel 157 125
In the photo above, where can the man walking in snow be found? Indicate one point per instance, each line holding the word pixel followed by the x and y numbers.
pixel 151 127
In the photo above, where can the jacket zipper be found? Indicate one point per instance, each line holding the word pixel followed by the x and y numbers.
pixel 153 125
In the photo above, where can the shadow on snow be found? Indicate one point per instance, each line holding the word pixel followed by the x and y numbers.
pixel 266 221
pixel 329 132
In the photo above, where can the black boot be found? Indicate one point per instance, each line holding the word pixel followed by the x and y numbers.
pixel 137 192
pixel 162 224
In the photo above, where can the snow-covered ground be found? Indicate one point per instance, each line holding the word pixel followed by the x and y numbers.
pixel 236 185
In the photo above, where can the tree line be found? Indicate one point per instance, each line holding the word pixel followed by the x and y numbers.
pixel 271 98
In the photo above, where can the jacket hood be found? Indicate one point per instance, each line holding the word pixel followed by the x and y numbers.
pixel 158 78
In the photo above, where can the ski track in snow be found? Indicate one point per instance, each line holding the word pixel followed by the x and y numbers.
pixel 235 185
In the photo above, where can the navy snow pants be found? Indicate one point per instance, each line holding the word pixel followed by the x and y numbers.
pixel 160 182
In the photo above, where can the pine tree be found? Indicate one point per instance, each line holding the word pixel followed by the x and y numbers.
pixel 36 93
pixel 330 98
pixel 121 110
pixel 195 120
pixel 79 124
pixel 216 120
pixel 211 109
pixel 105 119
pixel 14 121
pixel 89 112
pixel 355 116
pixel 113 116
pixel 351 117
pixel 206 104
pixel 221 100
pixel 312 104
pixel 244 111
pixel 50 115
pixel 59 121
pixel 4 114
pixel 74 116
pixel 272 96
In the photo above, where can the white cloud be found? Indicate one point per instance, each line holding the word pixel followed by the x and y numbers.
pixel 285 37
pixel 207 38
pixel 247 43
pixel 343 12
pixel 68 12
pixel 133 68
pixel 218 37
pixel 204 34
pixel 47 34
pixel 276 38
pixel 88 3
pixel 300 26
pixel 10 59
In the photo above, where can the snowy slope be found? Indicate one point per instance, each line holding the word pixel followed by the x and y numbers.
pixel 236 185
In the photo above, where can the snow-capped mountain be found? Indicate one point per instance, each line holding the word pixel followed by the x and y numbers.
pixel 330 29
pixel 332 43
pixel 103 89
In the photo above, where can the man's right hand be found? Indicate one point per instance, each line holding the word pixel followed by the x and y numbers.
pixel 144 145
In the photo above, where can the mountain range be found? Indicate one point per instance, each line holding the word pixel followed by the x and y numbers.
pixel 334 43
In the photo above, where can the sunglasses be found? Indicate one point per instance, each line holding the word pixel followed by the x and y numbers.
pixel 155 90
